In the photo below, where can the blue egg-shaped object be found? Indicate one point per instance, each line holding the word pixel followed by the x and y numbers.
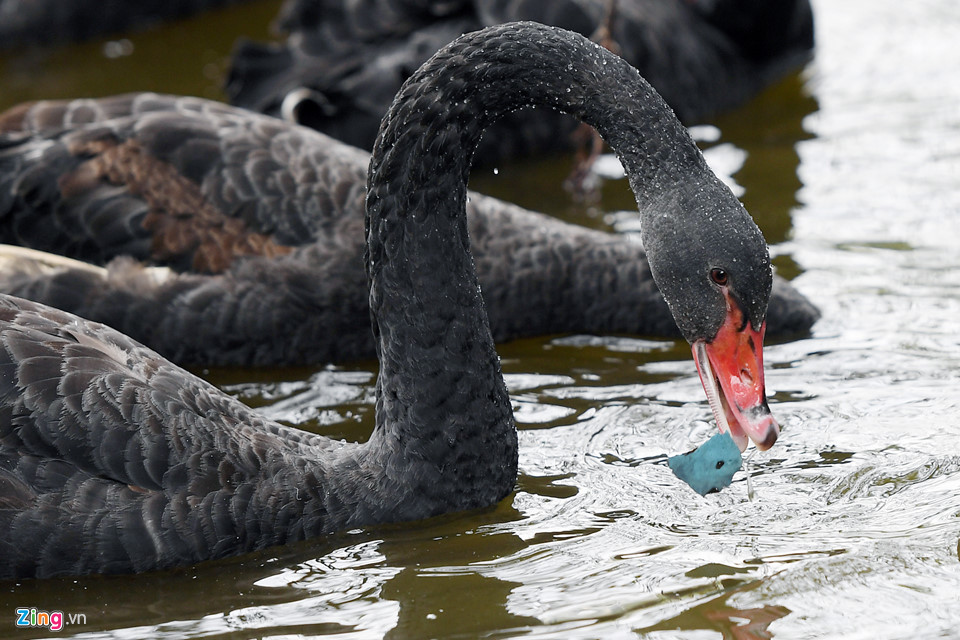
pixel 709 467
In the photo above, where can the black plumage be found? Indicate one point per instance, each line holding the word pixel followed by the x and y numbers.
pixel 261 223
pixel 343 61
pixel 112 459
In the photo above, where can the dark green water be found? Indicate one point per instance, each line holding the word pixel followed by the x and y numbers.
pixel 852 170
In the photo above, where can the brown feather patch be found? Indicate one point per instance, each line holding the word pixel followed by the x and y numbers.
pixel 12 119
pixel 184 225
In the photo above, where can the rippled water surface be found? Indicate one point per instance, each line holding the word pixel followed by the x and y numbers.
pixel 852 169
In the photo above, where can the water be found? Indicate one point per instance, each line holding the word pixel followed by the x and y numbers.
pixel 852 169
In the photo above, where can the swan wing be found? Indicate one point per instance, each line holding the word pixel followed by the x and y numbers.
pixel 183 182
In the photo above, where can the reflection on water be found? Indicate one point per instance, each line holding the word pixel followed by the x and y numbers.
pixel 853 172
pixel 731 622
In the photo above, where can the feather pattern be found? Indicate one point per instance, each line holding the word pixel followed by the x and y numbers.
pixel 116 460
pixel 344 60
pixel 266 239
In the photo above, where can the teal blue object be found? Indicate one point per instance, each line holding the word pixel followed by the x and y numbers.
pixel 709 467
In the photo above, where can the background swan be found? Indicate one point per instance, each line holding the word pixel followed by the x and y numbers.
pixel 343 61
pixel 260 224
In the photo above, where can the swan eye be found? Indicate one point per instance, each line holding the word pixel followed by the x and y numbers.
pixel 719 464
pixel 719 276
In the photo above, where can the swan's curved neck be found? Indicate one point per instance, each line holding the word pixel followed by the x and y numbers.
pixel 441 396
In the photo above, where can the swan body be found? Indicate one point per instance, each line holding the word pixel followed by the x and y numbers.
pixel 343 61
pixel 112 459
pixel 259 224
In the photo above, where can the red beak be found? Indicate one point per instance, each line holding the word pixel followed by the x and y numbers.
pixel 731 370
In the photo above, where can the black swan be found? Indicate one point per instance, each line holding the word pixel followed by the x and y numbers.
pixel 55 22
pixel 112 459
pixel 344 60
pixel 261 225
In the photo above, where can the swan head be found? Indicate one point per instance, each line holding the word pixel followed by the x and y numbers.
pixel 712 265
